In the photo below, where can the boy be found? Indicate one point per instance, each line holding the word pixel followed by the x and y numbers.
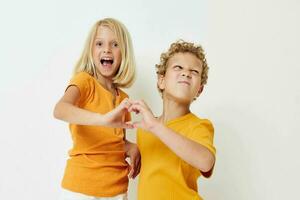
pixel 177 147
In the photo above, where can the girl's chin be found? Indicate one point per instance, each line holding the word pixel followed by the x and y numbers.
pixel 107 72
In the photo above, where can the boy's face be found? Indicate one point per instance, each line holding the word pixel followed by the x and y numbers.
pixel 106 52
pixel 182 80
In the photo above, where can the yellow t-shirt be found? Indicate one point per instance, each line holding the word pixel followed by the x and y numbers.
pixel 97 165
pixel 165 176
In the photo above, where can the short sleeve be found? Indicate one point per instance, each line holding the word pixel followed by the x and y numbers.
pixel 82 81
pixel 203 133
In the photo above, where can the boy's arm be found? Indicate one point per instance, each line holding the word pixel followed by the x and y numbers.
pixel 190 151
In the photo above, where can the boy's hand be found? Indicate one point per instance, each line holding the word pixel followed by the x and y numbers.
pixel 133 153
pixel 148 120
pixel 116 117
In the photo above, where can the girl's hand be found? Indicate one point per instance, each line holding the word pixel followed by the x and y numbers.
pixel 116 117
pixel 148 120
pixel 132 151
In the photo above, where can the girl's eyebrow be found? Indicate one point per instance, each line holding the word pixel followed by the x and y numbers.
pixel 113 40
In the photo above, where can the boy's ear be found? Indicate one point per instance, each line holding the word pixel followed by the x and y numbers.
pixel 161 81
pixel 200 90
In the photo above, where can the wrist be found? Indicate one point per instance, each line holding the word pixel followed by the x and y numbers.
pixel 156 127
pixel 127 145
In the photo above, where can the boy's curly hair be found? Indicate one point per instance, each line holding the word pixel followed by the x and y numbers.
pixel 182 46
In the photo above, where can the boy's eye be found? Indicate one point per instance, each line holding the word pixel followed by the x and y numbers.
pixel 177 67
pixel 195 72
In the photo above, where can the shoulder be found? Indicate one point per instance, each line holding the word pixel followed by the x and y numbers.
pixel 201 123
pixel 82 76
pixel 83 80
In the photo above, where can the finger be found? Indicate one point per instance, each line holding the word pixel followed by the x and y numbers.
pixel 137 170
pixel 137 124
pixel 142 104
pixel 127 125
pixel 125 103
pixel 130 171
pixel 138 107
pixel 133 109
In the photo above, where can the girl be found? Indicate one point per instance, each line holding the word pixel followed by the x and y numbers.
pixel 97 111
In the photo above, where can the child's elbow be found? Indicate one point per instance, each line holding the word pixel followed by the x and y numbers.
pixel 57 111
pixel 207 165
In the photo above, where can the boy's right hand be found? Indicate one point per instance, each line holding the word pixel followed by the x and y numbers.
pixel 116 117
pixel 148 121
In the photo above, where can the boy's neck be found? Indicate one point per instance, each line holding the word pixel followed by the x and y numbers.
pixel 173 110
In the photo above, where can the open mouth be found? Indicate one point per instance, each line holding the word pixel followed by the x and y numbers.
pixel 106 61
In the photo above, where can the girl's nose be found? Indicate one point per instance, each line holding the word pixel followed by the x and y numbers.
pixel 106 49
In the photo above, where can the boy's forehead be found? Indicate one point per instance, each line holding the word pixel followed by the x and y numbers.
pixel 185 58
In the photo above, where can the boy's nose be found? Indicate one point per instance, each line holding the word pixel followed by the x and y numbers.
pixel 186 73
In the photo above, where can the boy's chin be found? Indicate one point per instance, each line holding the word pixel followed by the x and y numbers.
pixel 181 99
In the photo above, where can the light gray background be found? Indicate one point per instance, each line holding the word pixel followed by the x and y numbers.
pixel 252 95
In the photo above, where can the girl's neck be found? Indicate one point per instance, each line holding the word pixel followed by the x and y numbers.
pixel 173 109
pixel 107 84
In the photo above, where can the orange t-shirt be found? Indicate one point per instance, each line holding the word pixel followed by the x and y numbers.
pixel 97 165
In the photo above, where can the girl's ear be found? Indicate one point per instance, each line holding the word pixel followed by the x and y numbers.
pixel 161 82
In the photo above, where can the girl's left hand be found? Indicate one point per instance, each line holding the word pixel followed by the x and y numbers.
pixel 132 151
pixel 148 120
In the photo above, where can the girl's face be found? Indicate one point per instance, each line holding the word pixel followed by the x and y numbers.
pixel 182 80
pixel 106 52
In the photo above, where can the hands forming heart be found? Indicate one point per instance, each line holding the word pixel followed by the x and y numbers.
pixel 116 117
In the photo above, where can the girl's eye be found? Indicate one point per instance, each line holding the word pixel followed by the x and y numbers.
pixel 115 44
pixel 99 44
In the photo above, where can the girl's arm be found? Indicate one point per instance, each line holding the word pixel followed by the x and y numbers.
pixel 191 152
pixel 67 111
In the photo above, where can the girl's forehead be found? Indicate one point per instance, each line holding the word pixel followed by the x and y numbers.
pixel 105 30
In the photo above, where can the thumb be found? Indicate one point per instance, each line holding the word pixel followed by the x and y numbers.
pixel 131 170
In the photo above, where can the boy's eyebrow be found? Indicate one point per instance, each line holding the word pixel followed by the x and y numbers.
pixel 198 66
pixel 195 66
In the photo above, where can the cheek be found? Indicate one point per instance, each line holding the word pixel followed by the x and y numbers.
pixel 118 54
pixel 197 85
pixel 95 57
pixel 95 52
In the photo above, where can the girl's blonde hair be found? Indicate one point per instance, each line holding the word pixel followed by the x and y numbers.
pixel 125 75
pixel 182 46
